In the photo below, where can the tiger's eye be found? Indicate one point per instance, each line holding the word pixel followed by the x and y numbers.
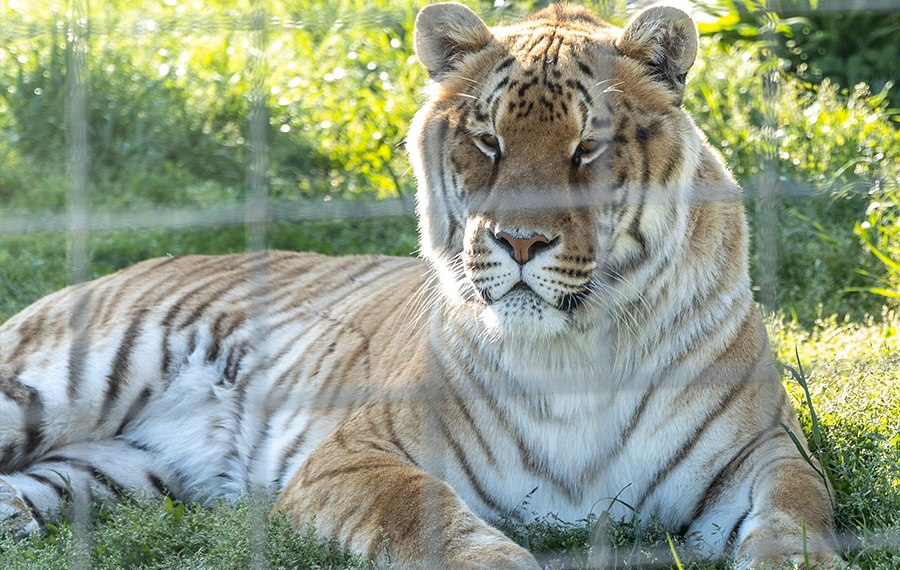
pixel 490 140
pixel 588 146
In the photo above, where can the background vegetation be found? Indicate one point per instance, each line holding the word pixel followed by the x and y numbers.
pixel 170 85
pixel 796 94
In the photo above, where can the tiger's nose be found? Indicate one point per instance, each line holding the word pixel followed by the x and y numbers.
pixel 524 248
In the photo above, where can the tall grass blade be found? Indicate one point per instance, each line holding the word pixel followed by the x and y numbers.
pixel 675 554
pixel 800 377
pixel 805 551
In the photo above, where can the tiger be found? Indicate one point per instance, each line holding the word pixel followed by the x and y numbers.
pixel 579 329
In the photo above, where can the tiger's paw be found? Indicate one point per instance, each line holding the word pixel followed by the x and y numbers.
pixel 817 561
pixel 488 549
pixel 493 557
pixel 15 516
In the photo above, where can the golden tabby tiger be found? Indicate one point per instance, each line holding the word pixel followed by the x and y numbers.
pixel 582 324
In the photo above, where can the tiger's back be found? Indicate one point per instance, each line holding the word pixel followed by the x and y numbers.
pixel 230 368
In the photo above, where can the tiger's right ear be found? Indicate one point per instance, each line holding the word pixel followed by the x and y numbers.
pixel 665 39
pixel 446 32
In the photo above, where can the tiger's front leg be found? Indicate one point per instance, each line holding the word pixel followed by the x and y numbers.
pixel 368 493
pixel 778 503
pixel 790 517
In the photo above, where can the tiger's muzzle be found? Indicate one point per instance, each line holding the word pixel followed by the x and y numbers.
pixel 525 271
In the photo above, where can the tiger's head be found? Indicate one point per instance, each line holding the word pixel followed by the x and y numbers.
pixel 553 158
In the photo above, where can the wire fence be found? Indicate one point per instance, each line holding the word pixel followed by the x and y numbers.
pixel 85 31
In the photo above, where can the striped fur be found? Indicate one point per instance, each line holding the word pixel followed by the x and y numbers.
pixel 403 405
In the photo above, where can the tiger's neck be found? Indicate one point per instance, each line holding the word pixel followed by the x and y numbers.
pixel 627 343
pixel 579 362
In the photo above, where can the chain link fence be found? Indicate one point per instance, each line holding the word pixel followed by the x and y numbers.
pixel 255 27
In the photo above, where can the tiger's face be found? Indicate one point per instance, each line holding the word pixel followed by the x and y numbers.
pixel 552 157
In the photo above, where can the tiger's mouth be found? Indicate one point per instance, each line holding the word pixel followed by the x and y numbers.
pixel 567 303
pixel 527 282
pixel 572 301
pixel 520 286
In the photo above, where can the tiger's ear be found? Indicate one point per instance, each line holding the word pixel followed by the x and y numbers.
pixel 665 39
pixel 446 32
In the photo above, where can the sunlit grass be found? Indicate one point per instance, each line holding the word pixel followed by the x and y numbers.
pixel 143 533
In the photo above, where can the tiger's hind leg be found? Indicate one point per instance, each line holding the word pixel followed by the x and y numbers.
pixel 14 512
pixel 101 471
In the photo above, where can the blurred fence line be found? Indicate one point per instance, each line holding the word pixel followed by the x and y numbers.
pixel 103 219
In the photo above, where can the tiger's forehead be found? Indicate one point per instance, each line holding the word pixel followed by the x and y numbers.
pixel 546 72
pixel 571 51
pixel 552 43
pixel 557 33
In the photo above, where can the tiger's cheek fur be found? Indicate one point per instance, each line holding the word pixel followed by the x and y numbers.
pixel 439 221
pixel 473 173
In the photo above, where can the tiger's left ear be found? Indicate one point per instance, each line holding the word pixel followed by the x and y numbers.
pixel 665 39
pixel 445 33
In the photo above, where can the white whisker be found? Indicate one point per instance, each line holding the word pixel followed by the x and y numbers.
pixel 470 80
pixel 420 302
pixel 622 279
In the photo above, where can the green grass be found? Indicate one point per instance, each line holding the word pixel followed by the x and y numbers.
pixel 140 533
pixel 168 123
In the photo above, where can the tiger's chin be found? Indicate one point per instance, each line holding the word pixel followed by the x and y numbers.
pixel 521 314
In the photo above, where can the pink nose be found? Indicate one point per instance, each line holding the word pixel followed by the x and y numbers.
pixel 522 246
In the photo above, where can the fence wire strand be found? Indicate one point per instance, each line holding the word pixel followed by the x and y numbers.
pixel 77 234
pixel 256 225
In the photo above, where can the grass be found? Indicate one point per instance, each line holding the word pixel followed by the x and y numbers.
pixel 140 533
pixel 826 152
pixel 168 115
